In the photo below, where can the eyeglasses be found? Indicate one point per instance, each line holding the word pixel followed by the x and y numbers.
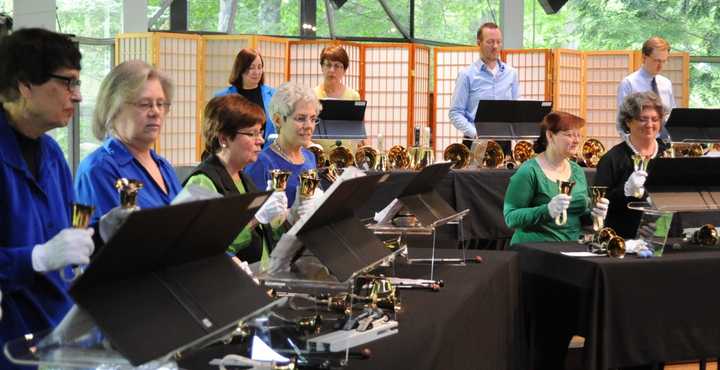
pixel 253 135
pixel 333 65
pixel 147 105
pixel 72 84
pixel 571 134
pixel 255 67
pixel 312 120
pixel 646 120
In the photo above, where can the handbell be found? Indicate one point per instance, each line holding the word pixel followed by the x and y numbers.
pixel 81 215
pixel 309 181
pixel 457 153
pixel 421 157
pixel 279 179
pixel 706 235
pixel 597 193
pixel 564 187
pixel 128 189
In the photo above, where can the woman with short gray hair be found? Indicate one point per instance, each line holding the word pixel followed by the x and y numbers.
pixel 641 116
pixel 130 112
pixel 294 109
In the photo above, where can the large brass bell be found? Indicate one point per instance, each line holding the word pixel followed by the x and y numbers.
pixel 457 153
pixel 494 155
pixel 522 151
pixel 606 241
pixel 319 153
pixel 341 157
pixel 398 157
pixel 366 157
pixel 590 152
pixel 706 235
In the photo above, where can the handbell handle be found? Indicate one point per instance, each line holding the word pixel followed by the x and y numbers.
pixel 561 219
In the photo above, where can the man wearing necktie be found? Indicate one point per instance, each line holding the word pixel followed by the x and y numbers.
pixel 655 52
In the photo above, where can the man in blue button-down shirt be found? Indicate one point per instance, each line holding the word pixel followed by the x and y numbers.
pixel 655 52
pixel 486 79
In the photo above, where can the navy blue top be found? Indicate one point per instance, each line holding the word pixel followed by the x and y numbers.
pixel 268 160
pixel 267 93
pixel 32 211
pixel 98 172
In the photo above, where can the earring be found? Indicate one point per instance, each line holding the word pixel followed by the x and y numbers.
pixel 223 145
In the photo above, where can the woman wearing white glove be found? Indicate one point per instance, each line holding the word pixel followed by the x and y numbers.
pixel 641 116
pixel 233 133
pixel 533 201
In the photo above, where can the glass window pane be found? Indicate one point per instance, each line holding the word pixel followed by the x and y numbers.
pixel 365 18
pixel 704 85
pixel 453 21
pixel 89 18
pixel 97 61
pixel 268 17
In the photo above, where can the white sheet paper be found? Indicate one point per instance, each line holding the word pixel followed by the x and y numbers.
pixel 582 254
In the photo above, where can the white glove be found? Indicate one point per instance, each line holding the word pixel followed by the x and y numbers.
pixel 601 208
pixel 301 207
pixel 635 184
pixel 275 206
pixel 110 222
pixel 558 204
pixel 68 247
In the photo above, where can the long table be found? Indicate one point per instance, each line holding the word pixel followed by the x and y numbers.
pixel 631 311
pixel 475 321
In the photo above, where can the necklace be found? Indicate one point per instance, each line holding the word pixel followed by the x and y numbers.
pixel 275 146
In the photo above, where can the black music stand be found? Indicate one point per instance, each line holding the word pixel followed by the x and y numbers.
pixel 684 184
pixel 694 125
pixel 163 283
pixel 341 119
pixel 510 119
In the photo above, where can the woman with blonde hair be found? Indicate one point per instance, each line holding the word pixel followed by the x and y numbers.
pixel 132 104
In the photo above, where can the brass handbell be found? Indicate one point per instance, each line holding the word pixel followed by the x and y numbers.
pixel 81 215
pixel 564 187
pixel 128 189
pixel 279 179
pixel 596 193
pixel 366 157
pixel 591 152
pixel 309 181
pixel 383 163
pixel 457 153
pixel 398 157
pixel 606 241
pixel 421 157
pixel 706 235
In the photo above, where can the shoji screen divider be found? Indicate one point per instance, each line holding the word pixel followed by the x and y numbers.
pixel 603 72
pixel 534 68
pixel 180 57
pixel 420 74
pixel 389 92
pixel 447 62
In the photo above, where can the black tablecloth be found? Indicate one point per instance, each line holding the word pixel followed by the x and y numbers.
pixel 474 322
pixel 631 311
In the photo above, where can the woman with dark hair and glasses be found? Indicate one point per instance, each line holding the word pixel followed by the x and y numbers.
pixel 334 62
pixel 232 131
pixel 533 201
pixel 132 103
pixel 248 79
pixel 294 110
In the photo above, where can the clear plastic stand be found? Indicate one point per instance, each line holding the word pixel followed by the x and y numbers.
pixel 430 230
pixel 654 226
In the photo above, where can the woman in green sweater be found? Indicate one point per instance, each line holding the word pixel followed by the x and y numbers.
pixel 233 135
pixel 533 200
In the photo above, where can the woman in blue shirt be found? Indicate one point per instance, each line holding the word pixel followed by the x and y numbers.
pixel 294 110
pixel 247 79
pixel 130 111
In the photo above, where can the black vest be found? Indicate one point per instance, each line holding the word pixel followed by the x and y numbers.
pixel 215 170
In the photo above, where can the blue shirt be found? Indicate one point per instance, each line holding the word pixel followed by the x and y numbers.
pixel 32 211
pixel 267 94
pixel 477 83
pixel 268 159
pixel 98 172
pixel 641 81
